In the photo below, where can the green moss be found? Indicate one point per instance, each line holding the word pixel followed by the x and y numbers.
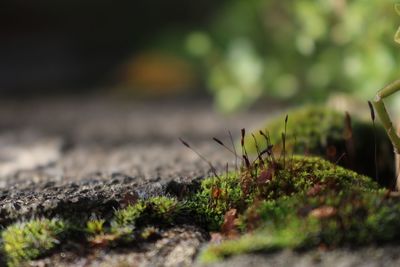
pixel 149 232
pixel 125 219
pixel 305 202
pixel 238 190
pixel 95 226
pixel 314 128
pixel 24 241
pixel 215 197
pixel 155 210
pixel 351 217
pixel 161 208
pixel 308 203
pixel 289 202
pixel 293 235
pixel 320 131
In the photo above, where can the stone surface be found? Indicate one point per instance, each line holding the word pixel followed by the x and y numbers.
pixel 176 247
pixel 85 154
pixel 368 257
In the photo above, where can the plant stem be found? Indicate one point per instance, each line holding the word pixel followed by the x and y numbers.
pixel 397 162
pixel 387 122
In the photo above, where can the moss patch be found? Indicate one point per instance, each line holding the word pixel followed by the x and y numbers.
pixel 272 181
pixel 298 203
pixel 28 240
pixel 271 203
pixel 320 131
pixel 348 218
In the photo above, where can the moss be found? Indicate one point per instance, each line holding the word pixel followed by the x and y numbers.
pixel 149 233
pixel 269 197
pixel 350 218
pixel 155 210
pixel 304 202
pixel 320 131
pixel 300 175
pixel 161 208
pixel 95 226
pixel 317 203
pixel 24 241
pixel 293 235
pixel 272 203
pixel 215 197
pixel 125 219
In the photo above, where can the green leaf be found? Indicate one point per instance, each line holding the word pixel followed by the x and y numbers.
pixel 397 36
pixel 397 8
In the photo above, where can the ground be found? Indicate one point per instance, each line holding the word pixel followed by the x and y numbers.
pixel 85 155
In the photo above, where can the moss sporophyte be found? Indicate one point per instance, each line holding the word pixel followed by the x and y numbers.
pixel 282 200
pixel 336 136
pixel 287 192
pixel 273 199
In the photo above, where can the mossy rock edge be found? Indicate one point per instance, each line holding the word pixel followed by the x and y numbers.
pixel 295 202
pixel 318 204
pixel 324 132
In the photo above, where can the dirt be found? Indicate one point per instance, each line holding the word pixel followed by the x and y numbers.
pixel 85 154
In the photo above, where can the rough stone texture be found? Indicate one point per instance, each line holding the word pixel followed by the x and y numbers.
pixel 176 247
pixel 387 256
pixel 82 154
pixel 86 154
pixel 62 156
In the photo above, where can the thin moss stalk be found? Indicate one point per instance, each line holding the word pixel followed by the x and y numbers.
pixel 335 136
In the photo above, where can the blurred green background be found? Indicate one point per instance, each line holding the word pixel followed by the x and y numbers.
pixel 299 50
pixel 237 52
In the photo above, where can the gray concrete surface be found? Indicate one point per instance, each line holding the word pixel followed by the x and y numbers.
pixel 85 154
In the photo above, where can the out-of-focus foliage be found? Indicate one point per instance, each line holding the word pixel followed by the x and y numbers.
pixel 297 49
